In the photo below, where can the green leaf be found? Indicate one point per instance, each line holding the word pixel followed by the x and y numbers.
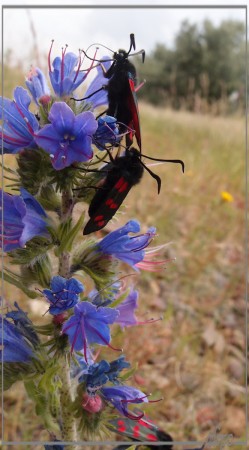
pixel 14 279
pixel 46 330
pixel 33 251
pixel 69 235
pixel 47 381
pixel 13 372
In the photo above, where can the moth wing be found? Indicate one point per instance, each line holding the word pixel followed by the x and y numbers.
pixel 133 107
pixel 111 203
pixel 142 430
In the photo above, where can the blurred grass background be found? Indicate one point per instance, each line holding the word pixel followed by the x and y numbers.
pixel 195 357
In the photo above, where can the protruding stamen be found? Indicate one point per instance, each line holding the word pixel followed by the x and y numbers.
pixel 62 63
pixel 24 118
pixel 49 56
pixel 140 85
pixel 78 68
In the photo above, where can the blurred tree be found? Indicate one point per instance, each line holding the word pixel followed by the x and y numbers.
pixel 206 62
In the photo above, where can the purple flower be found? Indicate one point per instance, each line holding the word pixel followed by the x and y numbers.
pixel 107 132
pixel 23 324
pixel 66 76
pixel 19 124
pixel 64 294
pixel 99 374
pixel 116 367
pixel 126 310
pixel 80 367
pixel 129 249
pixel 37 86
pixel 15 346
pixel 89 325
pixel 96 376
pixel 98 96
pixel 68 138
pixel 23 218
pixel 122 396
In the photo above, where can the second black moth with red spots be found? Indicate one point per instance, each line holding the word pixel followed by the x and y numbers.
pixel 123 172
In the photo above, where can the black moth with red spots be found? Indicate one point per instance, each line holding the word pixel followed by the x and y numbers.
pixel 143 430
pixel 125 172
pixel 121 90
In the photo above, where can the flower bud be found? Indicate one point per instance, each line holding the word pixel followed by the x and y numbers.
pixel 92 404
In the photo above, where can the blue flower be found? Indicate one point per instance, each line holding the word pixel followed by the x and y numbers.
pixel 23 324
pixel 64 294
pixel 107 132
pixel 116 367
pixel 79 367
pixel 19 124
pixel 99 374
pixel 23 218
pixel 68 138
pixel 96 377
pixel 37 86
pixel 126 310
pixel 15 347
pixel 89 325
pixel 121 396
pixel 98 96
pixel 66 76
pixel 129 249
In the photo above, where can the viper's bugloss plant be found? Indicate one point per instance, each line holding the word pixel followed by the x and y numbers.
pixel 68 365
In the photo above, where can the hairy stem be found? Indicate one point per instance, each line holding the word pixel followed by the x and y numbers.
pixel 68 425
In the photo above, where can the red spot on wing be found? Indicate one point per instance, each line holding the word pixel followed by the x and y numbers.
pixel 109 202
pixel 136 431
pixel 121 426
pixel 97 218
pixel 121 185
pixel 151 437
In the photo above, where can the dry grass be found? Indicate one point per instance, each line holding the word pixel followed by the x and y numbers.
pixel 194 358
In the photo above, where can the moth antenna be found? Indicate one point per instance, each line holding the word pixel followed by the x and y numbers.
pixel 141 52
pixel 176 161
pixel 132 43
pixel 94 59
pixel 101 45
pixel 154 175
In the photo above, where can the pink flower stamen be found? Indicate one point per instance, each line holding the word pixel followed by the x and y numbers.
pixel 92 63
pixel 24 118
pixel 49 56
pixel 78 68
pixel 104 340
pixel 140 85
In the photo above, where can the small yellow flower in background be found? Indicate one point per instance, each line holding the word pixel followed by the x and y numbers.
pixel 226 197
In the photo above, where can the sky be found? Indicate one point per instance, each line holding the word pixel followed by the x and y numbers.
pixel 81 27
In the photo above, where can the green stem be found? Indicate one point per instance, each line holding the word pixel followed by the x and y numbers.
pixel 68 424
